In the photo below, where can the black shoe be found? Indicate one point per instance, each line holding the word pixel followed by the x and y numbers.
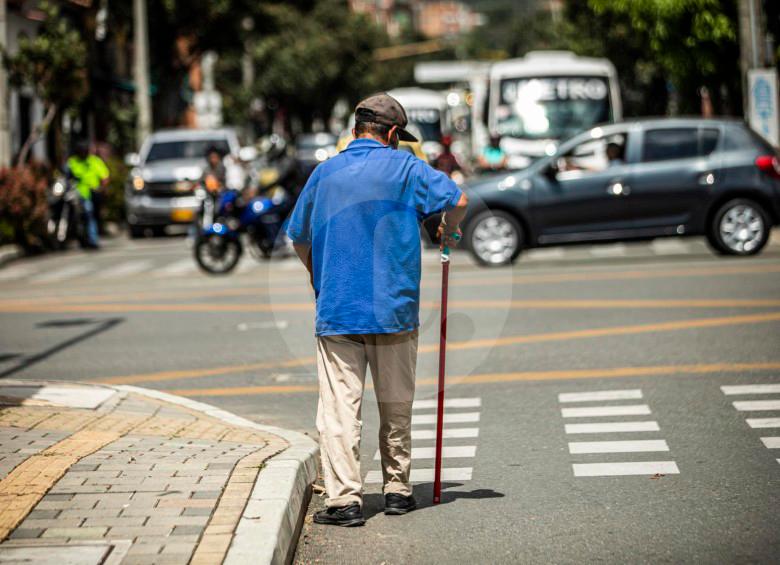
pixel 396 504
pixel 346 516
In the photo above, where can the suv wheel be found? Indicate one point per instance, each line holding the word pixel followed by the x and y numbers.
pixel 495 238
pixel 740 227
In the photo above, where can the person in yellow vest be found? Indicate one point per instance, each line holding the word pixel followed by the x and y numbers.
pixel 90 174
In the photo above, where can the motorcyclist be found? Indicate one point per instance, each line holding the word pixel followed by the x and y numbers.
pixel 215 174
pixel 90 174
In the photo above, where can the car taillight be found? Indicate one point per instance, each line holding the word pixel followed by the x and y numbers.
pixel 769 164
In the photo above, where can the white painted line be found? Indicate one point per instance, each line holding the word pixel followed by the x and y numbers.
pixel 749 405
pixel 457 418
pixel 613 250
pixel 447 451
pixel 180 267
pixel 617 446
pixel 670 247
pixel 590 411
pixel 750 389
pixel 448 403
pixel 64 273
pixel 771 442
pixel 451 433
pixel 632 468
pixel 270 325
pixel 763 422
pixel 125 269
pixel 425 475
pixel 611 427
pixel 544 254
pixel 600 395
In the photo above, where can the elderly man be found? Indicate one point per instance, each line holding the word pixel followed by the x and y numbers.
pixel 356 227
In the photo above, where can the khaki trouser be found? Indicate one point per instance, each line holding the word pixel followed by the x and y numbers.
pixel 341 367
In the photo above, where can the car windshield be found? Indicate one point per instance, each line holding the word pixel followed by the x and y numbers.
pixel 551 107
pixel 427 121
pixel 185 149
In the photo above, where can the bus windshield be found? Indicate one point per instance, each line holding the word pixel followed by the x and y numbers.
pixel 551 107
pixel 428 122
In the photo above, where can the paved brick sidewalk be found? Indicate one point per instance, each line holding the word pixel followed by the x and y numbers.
pixel 120 476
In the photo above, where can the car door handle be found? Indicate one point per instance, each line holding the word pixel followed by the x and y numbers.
pixel 618 188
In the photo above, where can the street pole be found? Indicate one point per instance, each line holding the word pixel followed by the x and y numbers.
pixel 752 42
pixel 141 71
pixel 5 134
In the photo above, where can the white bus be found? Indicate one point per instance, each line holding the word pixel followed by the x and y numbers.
pixel 428 111
pixel 548 96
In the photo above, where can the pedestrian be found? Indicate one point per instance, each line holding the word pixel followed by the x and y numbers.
pixel 356 228
pixel 91 175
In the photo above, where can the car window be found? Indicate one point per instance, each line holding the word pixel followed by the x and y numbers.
pixel 678 143
pixel 593 156
pixel 739 138
pixel 185 149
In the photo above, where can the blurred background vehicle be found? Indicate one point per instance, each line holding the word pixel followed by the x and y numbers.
pixel 160 190
pixel 311 149
pixel 632 180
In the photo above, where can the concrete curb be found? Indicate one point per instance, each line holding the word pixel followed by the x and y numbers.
pixel 9 253
pixel 270 525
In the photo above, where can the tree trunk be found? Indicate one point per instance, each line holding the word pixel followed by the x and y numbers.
pixel 36 134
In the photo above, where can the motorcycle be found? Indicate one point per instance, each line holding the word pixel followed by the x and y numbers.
pixel 234 223
pixel 64 213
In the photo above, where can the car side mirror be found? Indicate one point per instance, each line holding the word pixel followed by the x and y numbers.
pixel 132 159
pixel 247 154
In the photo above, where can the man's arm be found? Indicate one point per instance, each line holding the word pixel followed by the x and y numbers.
pixel 304 254
pixel 450 222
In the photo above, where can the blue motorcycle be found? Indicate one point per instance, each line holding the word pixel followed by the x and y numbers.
pixel 226 220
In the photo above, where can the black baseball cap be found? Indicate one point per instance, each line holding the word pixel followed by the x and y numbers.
pixel 384 109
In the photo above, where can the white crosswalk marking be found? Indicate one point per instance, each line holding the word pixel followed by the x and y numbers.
pixel 447 451
pixel 125 269
pixel 757 405
pixel 617 446
pixel 180 267
pixel 448 403
pixel 771 442
pixel 612 250
pixel 447 433
pixel 590 411
pixel 612 427
pixel 763 422
pixel 600 395
pixel 69 272
pixel 670 247
pixel 628 468
pixel 751 389
pixel 426 475
pixel 456 418
pixel 545 254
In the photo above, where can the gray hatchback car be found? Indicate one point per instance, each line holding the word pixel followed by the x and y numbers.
pixel 633 180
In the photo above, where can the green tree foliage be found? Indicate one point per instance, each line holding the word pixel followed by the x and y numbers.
pixel 50 63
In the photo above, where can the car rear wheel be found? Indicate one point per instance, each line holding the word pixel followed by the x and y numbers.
pixel 495 238
pixel 740 227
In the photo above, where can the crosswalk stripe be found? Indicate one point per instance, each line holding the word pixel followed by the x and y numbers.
pixel 590 411
pixel 448 403
pixel 456 418
pixel 125 269
pixel 426 475
pixel 600 395
pixel 68 272
pixel 763 422
pixel 750 389
pixel 179 267
pixel 612 250
pixel 447 451
pixel 670 247
pixel 545 254
pixel 771 442
pixel 611 427
pixel 628 468
pixel 578 447
pixel 748 405
pixel 447 433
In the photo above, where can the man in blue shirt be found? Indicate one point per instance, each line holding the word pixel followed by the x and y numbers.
pixel 356 227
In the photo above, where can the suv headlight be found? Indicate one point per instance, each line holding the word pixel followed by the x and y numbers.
pixel 138 183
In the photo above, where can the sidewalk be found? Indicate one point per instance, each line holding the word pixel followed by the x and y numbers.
pixel 126 475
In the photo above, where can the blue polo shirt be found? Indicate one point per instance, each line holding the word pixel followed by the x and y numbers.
pixel 361 212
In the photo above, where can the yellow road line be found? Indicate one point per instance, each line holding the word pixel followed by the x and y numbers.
pixel 303 288
pixel 614 372
pixel 463 345
pixel 291 307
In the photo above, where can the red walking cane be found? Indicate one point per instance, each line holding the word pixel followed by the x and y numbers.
pixel 445 278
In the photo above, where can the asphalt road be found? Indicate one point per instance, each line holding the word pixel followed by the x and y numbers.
pixel 539 467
